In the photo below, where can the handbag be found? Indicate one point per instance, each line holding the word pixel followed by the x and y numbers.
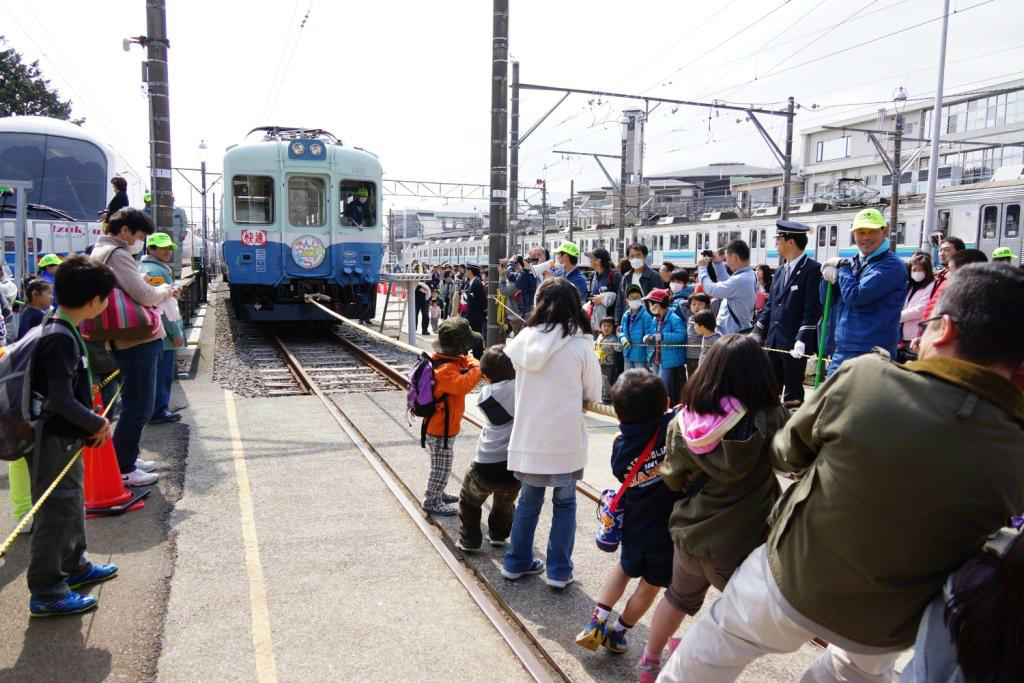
pixel 123 319
pixel 609 514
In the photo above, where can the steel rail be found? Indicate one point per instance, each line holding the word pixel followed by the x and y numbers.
pixel 499 613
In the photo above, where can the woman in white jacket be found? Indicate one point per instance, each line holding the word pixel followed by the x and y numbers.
pixel 556 370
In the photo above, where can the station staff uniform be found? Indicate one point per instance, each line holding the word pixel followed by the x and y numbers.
pixel 790 315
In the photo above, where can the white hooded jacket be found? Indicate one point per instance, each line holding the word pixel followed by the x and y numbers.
pixel 554 375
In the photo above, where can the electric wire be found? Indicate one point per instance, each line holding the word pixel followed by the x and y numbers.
pixel 280 59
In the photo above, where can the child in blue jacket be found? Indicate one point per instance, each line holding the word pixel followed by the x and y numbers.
pixel 635 325
pixel 666 354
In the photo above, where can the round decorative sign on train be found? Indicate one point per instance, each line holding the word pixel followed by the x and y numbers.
pixel 308 251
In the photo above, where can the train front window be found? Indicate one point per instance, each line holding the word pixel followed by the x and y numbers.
pixel 358 203
pixel 253 199
pixel 306 201
pixel 67 174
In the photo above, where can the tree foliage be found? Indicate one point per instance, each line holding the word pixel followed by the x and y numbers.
pixel 24 91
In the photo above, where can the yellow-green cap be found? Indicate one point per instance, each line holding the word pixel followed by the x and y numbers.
pixel 1002 252
pixel 161 240
pixel 568 248
pixel 49 260
pixel 147 197
pixel 869 219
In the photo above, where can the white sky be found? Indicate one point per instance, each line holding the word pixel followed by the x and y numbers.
pixel 410 80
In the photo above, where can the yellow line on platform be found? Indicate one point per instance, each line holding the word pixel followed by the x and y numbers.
pixel 262 637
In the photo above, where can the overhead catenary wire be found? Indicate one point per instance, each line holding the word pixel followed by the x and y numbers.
pixel 280 58
pixel 284 73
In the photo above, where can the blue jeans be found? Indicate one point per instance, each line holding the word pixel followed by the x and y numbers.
pixel 560 539
pixel 138 376
pixel 164 379
pixel 839 356
pixel 634 364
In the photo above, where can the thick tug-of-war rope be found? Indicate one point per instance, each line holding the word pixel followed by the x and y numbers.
pixel 27 517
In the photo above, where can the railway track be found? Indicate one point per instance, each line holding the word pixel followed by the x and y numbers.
pixel 346 364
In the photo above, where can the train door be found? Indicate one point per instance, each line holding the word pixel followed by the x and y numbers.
pixel 307 232
pixel 1000 227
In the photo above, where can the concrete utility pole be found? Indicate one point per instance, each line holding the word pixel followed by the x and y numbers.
pixel 543 212
pixel 787 168
pixel 572 207
pixel 499 162
pixel 513 165
pixel 156 44
pixel 621 251
pixel 933 158
pixel 202 180
pixel 897 172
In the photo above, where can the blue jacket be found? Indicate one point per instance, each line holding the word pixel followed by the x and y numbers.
pixel 871 293
pixel 576 277
pixel 632 329
pixel 647 504
pixel 673 333
pixel 681 302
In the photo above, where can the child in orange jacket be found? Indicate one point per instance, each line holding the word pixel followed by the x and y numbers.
pixel 455 375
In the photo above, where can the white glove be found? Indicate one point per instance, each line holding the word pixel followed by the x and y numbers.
pixel 830 273
pixel 834 261
pixel 798 350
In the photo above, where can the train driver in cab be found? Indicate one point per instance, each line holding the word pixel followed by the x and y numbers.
pixel 359 210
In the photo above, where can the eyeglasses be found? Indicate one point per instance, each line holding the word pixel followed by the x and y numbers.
pixel 923 325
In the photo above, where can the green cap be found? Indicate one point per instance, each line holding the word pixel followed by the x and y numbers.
pixel 568 248
pixel 362 192
pixel 161 240
pixel 455 337
pixel 147 197
pixel 1002 252
pixel 868 219
pixel 49 260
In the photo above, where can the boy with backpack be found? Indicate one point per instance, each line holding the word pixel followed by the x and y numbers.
pixel 489 475
pixel 61 386
pixel 455 374
pixel 641 404
pixel 154 267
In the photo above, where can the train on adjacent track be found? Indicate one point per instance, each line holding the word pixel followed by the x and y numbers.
pixel 984 215
pixel 301 216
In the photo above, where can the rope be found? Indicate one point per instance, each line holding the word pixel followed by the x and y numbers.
pixel 67 468
pixel 691 346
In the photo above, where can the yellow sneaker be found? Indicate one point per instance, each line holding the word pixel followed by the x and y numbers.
pixel 592 636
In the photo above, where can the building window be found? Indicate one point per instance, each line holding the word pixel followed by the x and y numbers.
pixel 253 197
pixel 837 148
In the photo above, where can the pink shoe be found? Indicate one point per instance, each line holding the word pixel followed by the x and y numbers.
pixel 647 670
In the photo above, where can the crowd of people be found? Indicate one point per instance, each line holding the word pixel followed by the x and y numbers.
pixel 59 312
pixel 907 460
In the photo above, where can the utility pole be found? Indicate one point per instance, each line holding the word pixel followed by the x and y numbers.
pixel 572 207
pixel 499 162
pixel 391 235
pixel 513 166
pixel 787 168
pixel 897 172
pixel 156 74
pixel 621 251
pixel 202 180
pixel 543 212
pixel 933 158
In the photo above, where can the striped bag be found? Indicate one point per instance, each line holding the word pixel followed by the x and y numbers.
pixel 122 320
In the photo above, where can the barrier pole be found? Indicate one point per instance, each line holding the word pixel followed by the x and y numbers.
pixel 824 333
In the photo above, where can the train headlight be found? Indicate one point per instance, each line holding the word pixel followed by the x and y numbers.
pixel 316 149
pixel 298 149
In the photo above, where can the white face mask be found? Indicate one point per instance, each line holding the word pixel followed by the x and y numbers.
pixel 637 263
pixel 136 247
pixel 676 286
pixel 917 276
pixel 635 304
pixel 362 200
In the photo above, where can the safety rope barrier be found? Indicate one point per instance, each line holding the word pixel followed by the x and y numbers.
pixel 27 517
pixel 806 356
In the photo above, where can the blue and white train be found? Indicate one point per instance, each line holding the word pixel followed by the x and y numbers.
pixel 301 215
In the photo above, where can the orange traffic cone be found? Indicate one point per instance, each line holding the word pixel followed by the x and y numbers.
pixel 105 493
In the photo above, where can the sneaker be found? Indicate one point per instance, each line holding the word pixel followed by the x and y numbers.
pixel 27 529
pixel 441 510
pixel 139 478
pixel 465 547
pixel 615 641
pixel 446 498
pixel 536 567
pixel 558 584
pixel 98 574
pixel 72 603
pixel 592 635
pixel 647 670
pixel 169 417
pixel 145 465
pixel 496 542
